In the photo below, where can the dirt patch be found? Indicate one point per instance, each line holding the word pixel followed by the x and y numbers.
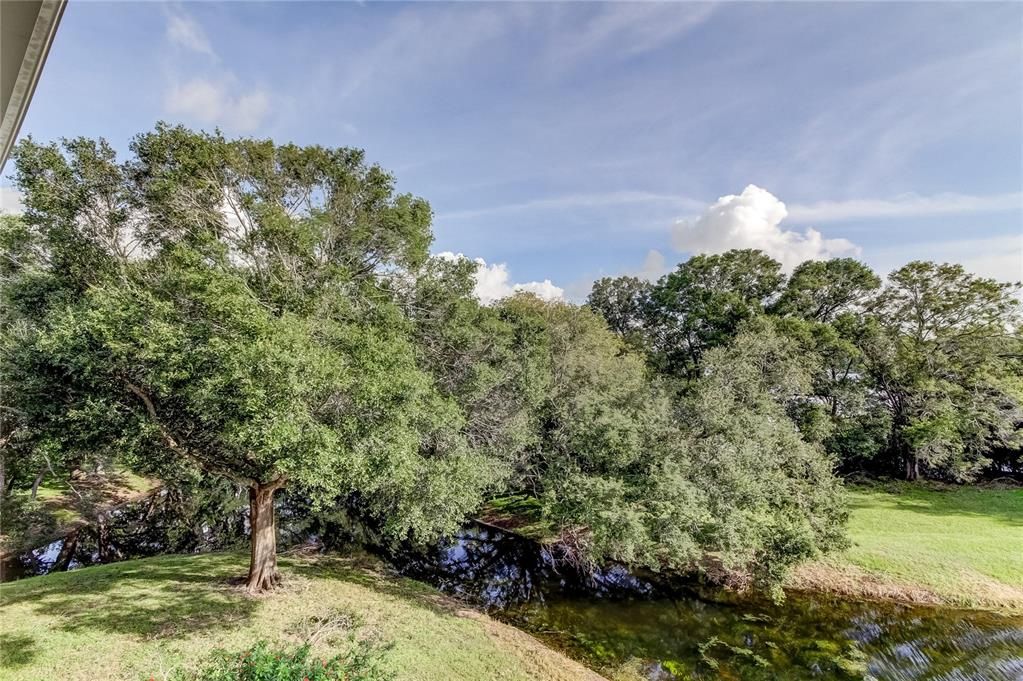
pixel 855 582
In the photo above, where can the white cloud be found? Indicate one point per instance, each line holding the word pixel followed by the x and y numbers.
pixel 184 31
pixel 908 205
pixel 752 219
pixel 217 97
pixel 998 257
pixel 493 282
pixel 11 201
pixel 214 103
pixel 541 289
pixel 654 266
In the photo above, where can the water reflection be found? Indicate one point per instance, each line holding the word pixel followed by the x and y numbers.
pixel 610 618
pixel 613 619
pixel 152 526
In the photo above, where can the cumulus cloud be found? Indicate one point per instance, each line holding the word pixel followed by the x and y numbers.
pixel 753 219
pixel 541 289
pixel 11 201
pixel 184 31
pixel 214 103
pixel 493 282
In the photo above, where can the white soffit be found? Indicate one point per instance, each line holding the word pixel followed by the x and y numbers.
pixel 27 28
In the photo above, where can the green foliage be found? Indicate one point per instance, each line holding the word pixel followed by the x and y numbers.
pixel 702 303
pixel 922 377
pixel 269 314
pixel 820 290
pixel 744 448
pixel 236 307
pixel 623 302
pixel 25 520
pixel 479 358
pixel 943 350
pixel 261 662
pixel 626 473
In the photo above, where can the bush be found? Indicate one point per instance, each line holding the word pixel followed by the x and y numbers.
pixel 263 663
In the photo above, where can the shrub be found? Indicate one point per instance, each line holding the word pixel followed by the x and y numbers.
pixel 262 663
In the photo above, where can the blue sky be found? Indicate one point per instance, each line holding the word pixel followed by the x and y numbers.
pixel 570 141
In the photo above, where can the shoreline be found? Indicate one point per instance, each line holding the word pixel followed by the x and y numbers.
pixel 64 530
pixel 850 581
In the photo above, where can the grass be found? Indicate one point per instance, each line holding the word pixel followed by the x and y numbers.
pixel 520 514
pixel 145 618
pixel 929 543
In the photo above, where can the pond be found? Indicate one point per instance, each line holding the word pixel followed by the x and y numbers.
pixel 613 619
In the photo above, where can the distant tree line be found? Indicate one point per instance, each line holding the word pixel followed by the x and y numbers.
pixel 921 376
pixel 269 315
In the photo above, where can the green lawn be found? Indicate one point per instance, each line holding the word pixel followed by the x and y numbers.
pixel 141 619
pixel 958 545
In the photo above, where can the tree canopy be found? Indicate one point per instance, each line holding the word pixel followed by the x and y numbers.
pixel 269 315
pixel 234 306
pixel 921 376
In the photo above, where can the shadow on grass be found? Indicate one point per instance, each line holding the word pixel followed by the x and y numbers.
pixel 371 573
pixel 1003 506
pixel 17 650
pixel 158 598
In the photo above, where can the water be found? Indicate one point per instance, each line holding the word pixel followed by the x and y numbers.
pixel 149 527
pixel 613 619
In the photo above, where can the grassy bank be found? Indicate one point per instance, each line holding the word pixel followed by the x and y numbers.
pixel 145 618
pixel 933 544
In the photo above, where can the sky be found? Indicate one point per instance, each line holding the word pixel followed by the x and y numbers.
pixel 562 142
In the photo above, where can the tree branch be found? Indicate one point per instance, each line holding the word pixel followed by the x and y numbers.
pixel 175 446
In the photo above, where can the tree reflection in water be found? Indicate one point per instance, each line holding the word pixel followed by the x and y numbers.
pixel 608 617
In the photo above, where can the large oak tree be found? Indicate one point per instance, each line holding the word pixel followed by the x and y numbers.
pixel 234 306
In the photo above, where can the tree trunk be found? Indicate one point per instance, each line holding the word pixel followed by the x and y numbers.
pixel 263 574
pixel 37 482
pixel 107 551
pixel 67 552
pixel 912 466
